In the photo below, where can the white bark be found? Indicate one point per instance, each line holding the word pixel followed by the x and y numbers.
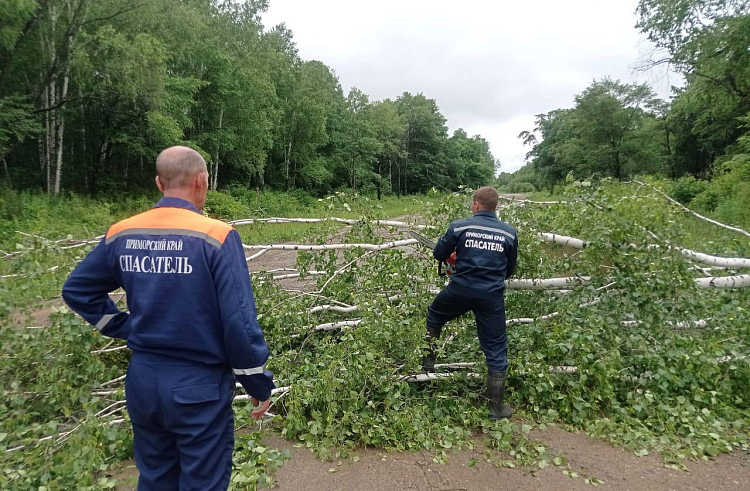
pixel 513 200
pixel 545 283
pixel 728 358
pixel 330 326
pixel 688 210
pixel 215 166
pixel 274 392
pixel 562 240
pixel 563 369
pixel 726 262
pixel 331 247
pixel 738 281
pixel 60 128
pixel 113 381
pixel 454 366
pixel 336 308
pixel 297 275
pixel 347 221
pixel 729 262
pixel 700 323
pixel 256 255
pixel 109 350
pixel 24 275
pixel 531 320
pixel 426 377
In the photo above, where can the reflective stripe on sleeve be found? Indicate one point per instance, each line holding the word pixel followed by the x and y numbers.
pixel 249 371
pixel 104 321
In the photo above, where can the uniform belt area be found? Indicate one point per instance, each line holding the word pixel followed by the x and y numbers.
pixel 166 360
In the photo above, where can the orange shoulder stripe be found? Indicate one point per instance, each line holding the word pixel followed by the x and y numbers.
pixel 172 221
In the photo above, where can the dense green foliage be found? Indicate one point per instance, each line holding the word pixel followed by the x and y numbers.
pixel 619 130
pixel 91 91
pixel 648 387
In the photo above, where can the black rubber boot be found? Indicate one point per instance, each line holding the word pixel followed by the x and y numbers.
pixel 428 360
pixel 496 395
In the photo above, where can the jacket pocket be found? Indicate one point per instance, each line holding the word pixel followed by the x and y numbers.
pixel 195 394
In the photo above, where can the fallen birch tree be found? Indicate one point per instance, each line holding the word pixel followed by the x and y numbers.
pixel 688 210
pixel 346 221
pixel 332 247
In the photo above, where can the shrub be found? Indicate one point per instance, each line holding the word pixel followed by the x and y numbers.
pixel 685 189
pixel 224 206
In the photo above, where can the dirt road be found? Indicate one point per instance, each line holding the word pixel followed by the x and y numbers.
pixel 614 468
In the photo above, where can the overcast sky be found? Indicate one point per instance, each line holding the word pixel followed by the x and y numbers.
pixel 491 65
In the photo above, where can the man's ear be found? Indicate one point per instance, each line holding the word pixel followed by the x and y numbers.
pixel 159 185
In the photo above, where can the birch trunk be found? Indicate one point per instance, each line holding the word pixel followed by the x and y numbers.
pixel 7 174
pixel 215 173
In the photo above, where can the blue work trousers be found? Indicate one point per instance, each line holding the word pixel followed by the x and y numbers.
pixel 183 426
pixel 490 318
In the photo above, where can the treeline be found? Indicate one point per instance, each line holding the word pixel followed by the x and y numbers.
pixel 91 90
pixel 619 130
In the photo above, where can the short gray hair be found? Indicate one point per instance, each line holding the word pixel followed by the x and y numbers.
pixel 176 166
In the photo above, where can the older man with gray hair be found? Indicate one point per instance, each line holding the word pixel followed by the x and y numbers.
pixel 191 326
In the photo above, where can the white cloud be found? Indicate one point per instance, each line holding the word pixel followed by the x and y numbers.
pixel 491 65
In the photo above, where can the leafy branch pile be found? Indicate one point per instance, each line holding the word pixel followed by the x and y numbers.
pixel 646 385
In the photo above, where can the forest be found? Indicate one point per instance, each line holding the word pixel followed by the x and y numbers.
pixel 90 91
pixel 700 138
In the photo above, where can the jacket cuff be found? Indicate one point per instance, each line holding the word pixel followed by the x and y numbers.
pixel 258 385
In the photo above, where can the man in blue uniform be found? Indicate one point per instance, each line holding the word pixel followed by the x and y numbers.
pixel 486 251
pixel 191 326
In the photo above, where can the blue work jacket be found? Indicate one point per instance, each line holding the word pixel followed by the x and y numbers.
pixel 486 252
pixel 188 292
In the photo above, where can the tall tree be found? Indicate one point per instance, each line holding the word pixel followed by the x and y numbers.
pixel 424 164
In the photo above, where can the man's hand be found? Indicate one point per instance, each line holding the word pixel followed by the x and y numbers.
pixel 260 408
pixel 450 264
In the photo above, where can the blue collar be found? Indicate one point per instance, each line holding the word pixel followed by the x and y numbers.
pixel 485 213
pixel 177 203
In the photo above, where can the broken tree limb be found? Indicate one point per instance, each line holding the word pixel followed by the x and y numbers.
pixel 531 320
pixel 514 200
pixel 26 275
pixel 109 350
pixel 688 210
pixel 455 366
pixel 276 391
pixel 738 281
pixel 335 308
pixel 297 275
pixel 426 377
pixel 700 323
pixel 729 262
pixel 113 381
pixel 256 255
pixel 346 221
pixel 342 269
pixel 546 283
pixel 330 326
pixel 563 369
pixel 728 358
pixel 564 240
pixel 332 247
pixel 726 262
